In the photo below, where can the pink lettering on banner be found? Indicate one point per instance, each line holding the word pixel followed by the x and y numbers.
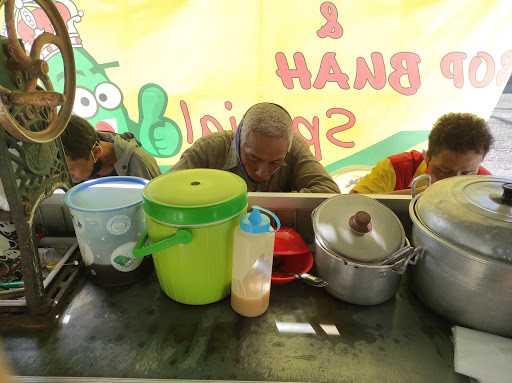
pixel 452 67
pixel 340 128
pixel 286 74
pixel 232 120
pixel 204 125
pixel 330 71
pixel 482 65
pixel 313 129
pixel 331 28
pixel 474 64
pixel 410 69
pixel 377 80
pixel 506 68
pixel 188 122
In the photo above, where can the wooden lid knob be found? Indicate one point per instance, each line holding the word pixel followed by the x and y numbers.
pixel 507 194
pixel 360 222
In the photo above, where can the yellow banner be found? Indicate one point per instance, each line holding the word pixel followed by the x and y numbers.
pixel 362 79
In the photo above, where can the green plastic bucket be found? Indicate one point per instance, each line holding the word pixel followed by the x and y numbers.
pixel 191 216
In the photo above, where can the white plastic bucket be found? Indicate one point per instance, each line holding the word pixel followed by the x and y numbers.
pixel 108 219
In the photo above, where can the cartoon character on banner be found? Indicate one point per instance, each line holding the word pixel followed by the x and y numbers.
pixel 8 237
pixel 10 261
pixel 98 99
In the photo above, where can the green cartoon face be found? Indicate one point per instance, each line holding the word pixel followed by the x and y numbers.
pixel 97 99
pixel 100 102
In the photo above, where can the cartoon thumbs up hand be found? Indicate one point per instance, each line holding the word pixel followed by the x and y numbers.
pixel 159 135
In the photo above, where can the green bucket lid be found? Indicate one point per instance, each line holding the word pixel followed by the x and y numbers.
pixel 195 197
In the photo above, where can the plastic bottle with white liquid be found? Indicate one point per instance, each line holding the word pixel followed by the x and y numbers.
pixel 253 251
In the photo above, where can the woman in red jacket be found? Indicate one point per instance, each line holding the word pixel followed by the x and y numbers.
pixel 457 145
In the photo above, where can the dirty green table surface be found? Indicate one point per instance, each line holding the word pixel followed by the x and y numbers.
pixel 305 336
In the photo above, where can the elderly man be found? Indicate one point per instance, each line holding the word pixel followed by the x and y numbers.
pixel 92 154
pixel 457 145
pixel 264 152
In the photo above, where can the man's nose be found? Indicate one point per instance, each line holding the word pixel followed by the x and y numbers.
pixel 262 171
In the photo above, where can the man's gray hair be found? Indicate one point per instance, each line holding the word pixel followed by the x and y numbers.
pixel 269 120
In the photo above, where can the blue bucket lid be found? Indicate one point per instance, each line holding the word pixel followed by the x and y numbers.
pixel 106 194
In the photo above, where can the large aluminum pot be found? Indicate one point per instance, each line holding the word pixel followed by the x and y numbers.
pixel 464 224
pixel 361 249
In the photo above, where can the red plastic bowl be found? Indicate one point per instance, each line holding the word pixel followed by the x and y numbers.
pixel 289 242
pixel 296 263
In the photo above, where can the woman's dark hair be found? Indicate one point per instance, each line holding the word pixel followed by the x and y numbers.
pixel 78 138
pixel 461 133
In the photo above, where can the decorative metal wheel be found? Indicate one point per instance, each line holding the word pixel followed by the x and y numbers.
pixel 31 110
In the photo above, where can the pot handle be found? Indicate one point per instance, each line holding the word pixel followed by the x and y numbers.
pixel 182 236
pixel 415 181
pixel 414 255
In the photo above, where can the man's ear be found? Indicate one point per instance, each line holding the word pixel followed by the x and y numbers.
pixel 426 156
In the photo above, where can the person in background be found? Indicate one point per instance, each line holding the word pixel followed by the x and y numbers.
pixel 93 154
pixel 457 145
pixel 264 152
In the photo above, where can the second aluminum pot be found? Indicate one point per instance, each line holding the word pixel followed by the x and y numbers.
pixel 361 249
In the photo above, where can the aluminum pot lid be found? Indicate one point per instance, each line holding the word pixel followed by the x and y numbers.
pixel 358 228
pixel 472 212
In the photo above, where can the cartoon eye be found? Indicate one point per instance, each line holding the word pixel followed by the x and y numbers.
pixel 7 228
pixel 85 104
pixel 108 95
pixel 12 254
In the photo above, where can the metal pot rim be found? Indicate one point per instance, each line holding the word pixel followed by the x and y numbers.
pixel 349 262
pixel 471 212
pixel 467 253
